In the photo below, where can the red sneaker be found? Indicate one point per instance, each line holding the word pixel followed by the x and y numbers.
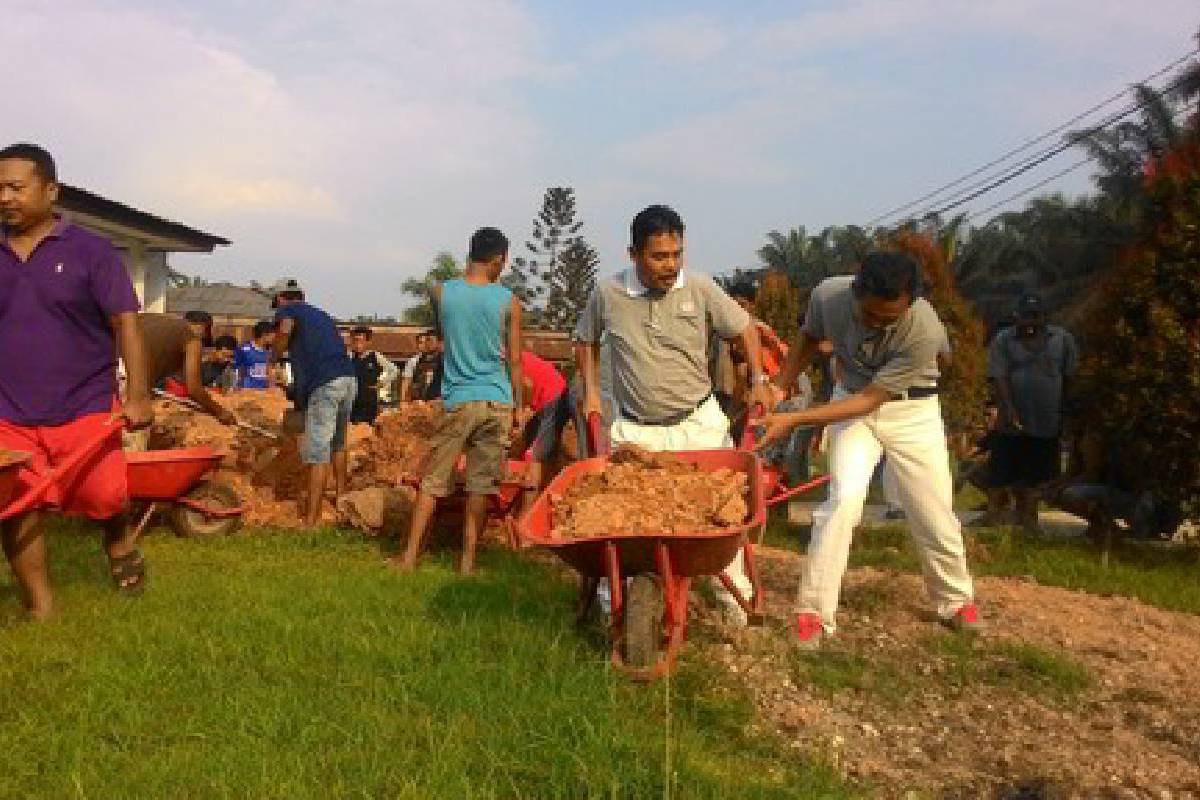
pixel 965 619
pixel 809 630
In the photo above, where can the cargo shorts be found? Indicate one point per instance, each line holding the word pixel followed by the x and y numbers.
pixel 481 429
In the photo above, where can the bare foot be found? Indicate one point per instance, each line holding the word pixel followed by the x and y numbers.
pixel 399 564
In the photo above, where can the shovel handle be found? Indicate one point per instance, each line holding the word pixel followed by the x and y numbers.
pixel 194 406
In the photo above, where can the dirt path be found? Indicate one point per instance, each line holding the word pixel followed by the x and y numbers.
pixel 1066 695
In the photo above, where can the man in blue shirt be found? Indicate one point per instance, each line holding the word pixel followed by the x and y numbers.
pixel 477 317
pixel 251 359
pixel 324 387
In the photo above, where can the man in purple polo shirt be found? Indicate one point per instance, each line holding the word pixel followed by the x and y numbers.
pixel 66 290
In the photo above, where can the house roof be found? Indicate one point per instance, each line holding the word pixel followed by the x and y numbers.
pixel 220 300
pixel 160 233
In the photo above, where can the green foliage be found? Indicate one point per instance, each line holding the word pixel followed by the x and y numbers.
pixel 780 304
pixel 808 260
pixel 443 268
pixel 1143 372
pixel 293 665
pixel 554 280
pixel 964 381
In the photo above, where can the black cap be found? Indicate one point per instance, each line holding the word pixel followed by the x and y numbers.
pixel 1030 307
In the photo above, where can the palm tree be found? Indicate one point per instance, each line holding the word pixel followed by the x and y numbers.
pixel 443 268
pixel 786 252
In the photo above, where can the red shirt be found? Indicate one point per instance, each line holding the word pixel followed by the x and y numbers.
pixel 548 382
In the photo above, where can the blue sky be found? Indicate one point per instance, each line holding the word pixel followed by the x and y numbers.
pixel 345 143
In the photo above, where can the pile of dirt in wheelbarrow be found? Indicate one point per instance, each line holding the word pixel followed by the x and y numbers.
pixel 650 493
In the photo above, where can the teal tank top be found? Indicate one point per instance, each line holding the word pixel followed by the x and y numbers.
pixel 473 321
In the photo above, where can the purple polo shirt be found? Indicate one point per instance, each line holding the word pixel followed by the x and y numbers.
pixel 58 352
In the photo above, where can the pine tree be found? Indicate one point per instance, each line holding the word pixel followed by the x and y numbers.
pixel 539 278
pixel 571 284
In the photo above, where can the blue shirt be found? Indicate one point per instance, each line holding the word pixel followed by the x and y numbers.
pixel 316 350
pixel 472 317
pixel 250 361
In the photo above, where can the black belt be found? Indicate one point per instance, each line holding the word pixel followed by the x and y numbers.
pixel 917 392
pixel 665 422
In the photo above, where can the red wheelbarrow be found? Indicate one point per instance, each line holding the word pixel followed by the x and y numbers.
pixel 649 620
pixel 175 477
pixel 502 507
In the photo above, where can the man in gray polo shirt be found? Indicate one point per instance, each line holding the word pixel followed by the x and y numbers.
pixel 657 319
pixel 886 339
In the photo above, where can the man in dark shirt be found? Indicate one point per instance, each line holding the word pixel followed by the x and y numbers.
pixel 324 388
pixel 372 369
pixel 67 309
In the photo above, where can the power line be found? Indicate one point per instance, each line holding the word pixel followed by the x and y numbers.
pixel 1032 188
pixel 1030 142
pixel 983 187
pixel 1182 110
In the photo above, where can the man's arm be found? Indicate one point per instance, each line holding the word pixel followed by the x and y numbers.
pixel 776 426
pixel 760 393
pixel 283 336
pixel 390 371
pixel 587 365
pixel 799 358
pixel 137 410
pixel 192 357
pixel 515 346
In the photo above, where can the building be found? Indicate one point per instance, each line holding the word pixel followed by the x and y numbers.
pixel 143 239
pixel 234 309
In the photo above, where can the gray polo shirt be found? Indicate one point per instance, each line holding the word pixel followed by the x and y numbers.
pixel 1036 376
pixel 900 357
pixel 659 342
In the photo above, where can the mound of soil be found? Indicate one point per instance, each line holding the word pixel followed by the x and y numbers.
pixel 1065 695
pixel 650 493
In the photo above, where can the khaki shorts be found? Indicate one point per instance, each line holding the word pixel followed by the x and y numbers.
pixel 481 429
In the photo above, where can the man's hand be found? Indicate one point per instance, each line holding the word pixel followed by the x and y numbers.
pixel 226 417
pixel 521 417
pixel 762 395
pixel 772 428
pixel 592 405
pixel 138 413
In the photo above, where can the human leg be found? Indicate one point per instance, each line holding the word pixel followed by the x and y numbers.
pixel 487 446
pixel 913 437
pixel 446 444
pixel 25 548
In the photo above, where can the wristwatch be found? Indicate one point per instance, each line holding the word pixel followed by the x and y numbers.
pixel 762 378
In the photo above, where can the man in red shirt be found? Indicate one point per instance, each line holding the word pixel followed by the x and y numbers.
pixel 548 407
pixel 65 289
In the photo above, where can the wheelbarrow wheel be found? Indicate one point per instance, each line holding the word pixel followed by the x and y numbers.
pixel 643 621
pixel 189 522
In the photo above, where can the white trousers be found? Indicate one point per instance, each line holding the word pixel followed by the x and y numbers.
pixel 706 429
pixel 910 434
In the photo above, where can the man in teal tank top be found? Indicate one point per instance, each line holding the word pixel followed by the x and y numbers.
pixel 480 391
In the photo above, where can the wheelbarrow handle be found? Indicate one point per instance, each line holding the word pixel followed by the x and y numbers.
pixel 749 437
pixel 37 492
pixel 595 440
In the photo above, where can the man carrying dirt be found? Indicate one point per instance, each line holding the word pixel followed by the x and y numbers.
pixel 1030 364
pixel 372 369
pixel 175 349
pixel 886 339
pixel 480 393
pixel 67 308
pixel 658 317
pixel 324 388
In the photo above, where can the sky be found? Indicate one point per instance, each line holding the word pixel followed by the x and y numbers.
pixel 346 143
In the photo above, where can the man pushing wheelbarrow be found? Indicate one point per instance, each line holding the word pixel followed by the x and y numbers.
pixel 659 318
pixel 67 308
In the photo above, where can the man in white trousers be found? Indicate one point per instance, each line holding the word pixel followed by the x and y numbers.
pixel 657 319
pixel 886 338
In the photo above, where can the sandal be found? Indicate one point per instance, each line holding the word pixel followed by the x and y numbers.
pixel 128 572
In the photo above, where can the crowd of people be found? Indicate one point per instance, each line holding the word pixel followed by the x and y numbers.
pixel 667 358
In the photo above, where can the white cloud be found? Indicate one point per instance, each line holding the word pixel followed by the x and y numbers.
pixel 677 39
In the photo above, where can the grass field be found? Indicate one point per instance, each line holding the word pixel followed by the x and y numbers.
pixel 280 665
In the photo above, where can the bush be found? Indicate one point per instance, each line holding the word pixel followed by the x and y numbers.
pixel 964 384
pixel 1141 375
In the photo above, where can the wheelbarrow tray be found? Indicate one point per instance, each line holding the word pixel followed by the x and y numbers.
pixel 696 553
pixel 167 475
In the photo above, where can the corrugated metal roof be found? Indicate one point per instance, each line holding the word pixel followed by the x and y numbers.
pixel 72 198
pixel 220 300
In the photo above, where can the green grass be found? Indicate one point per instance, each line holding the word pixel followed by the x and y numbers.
pixel 285 665
pixel 1163 575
